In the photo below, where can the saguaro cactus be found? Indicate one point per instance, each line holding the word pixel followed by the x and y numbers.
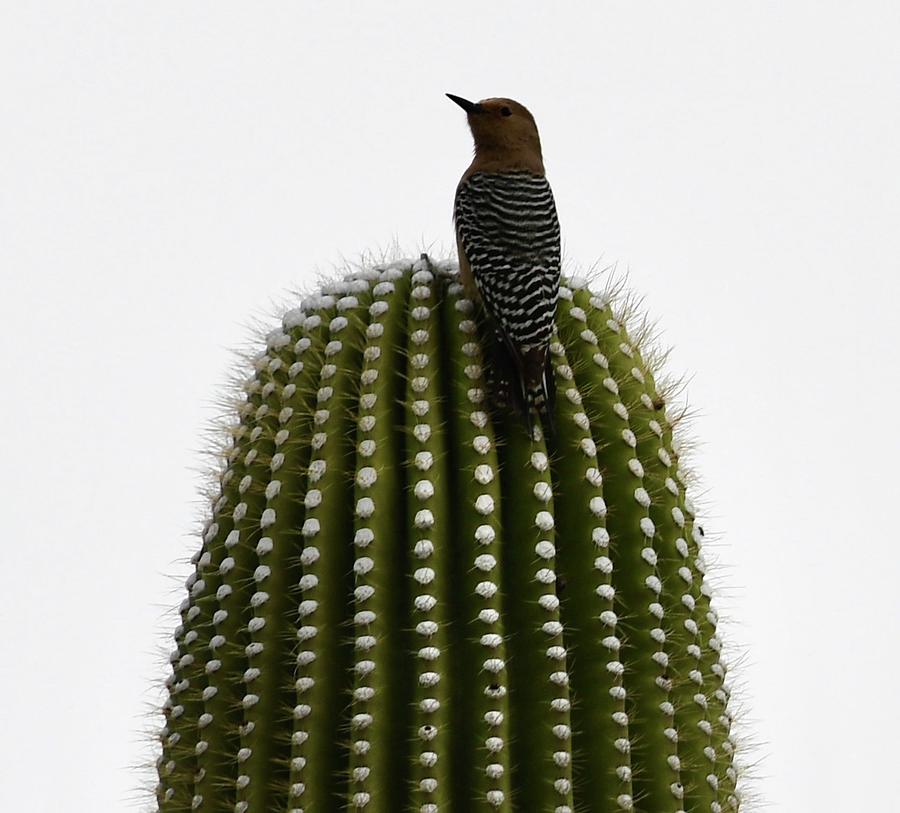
pixel 404 603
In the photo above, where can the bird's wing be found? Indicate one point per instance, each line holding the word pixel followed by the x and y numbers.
pixel 507 226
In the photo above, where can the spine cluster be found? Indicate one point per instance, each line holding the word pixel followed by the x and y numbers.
pixel 404 603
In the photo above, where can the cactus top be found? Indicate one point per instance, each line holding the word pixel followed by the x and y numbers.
pixel 401 604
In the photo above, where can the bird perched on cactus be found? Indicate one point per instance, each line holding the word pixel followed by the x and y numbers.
pixel 507 234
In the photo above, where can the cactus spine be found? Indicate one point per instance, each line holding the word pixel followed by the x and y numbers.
pixel 403 603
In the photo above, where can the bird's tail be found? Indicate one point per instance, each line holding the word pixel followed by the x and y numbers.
pixel 538 387
pixel 522 378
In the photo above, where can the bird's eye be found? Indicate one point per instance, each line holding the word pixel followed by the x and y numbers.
pixel 505 111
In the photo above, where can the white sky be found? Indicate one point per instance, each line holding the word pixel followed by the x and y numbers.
pixel 169 170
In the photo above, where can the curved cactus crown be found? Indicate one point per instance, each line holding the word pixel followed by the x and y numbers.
pixel 404 603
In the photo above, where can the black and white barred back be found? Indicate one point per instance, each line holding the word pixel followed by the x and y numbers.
pixel 507 225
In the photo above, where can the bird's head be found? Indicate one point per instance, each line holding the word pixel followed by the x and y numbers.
pixel 502 127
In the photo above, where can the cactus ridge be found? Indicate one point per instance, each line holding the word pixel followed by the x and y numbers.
pixel 402 602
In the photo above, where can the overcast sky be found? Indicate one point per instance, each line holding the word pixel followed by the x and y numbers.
pixel 169 171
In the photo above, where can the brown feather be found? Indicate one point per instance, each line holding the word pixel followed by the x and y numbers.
pixel 504 143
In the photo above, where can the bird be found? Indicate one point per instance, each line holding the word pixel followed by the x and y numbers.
pixel 508 240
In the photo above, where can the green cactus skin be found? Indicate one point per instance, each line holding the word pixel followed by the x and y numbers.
pixel 404 603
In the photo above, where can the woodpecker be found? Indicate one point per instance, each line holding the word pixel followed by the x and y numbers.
pixel 507 235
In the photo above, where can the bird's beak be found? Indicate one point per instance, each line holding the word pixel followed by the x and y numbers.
pixel 465 104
